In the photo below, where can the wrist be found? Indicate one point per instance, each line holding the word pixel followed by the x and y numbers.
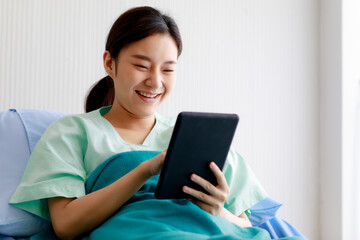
pixel 227 215
pixel 235 219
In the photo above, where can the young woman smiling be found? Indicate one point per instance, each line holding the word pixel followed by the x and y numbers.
pixel 140 59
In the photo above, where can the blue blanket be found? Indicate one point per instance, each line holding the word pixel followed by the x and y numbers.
pixel 145 217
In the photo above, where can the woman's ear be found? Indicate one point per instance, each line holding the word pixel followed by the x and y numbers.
pixel 109 64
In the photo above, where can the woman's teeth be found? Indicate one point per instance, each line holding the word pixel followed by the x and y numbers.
pixel 147 95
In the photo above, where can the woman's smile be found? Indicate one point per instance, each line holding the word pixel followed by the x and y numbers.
pixel 148 97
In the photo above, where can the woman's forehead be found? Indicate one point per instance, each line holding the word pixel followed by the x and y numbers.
pixel 156 46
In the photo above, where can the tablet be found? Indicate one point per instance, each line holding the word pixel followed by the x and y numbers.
pixel 198 139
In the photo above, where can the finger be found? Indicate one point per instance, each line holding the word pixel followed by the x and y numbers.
pixel 200 196
pixel 220 178
pixel 156 163
pixel 163 153
pixel 206 185
pixel 161 156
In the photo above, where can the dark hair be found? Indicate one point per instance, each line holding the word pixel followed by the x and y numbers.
pixel 133 25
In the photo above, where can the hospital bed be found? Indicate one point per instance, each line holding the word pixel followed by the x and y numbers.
pixel 20 130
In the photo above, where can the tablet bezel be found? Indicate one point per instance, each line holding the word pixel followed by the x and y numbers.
pixel 202 129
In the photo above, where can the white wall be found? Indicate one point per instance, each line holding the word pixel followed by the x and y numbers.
pixel 339 82
pixel 257 58
pixel 330 119
pixel 350 97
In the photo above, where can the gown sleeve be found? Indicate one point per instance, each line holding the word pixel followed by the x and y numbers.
pixel 245 188
pixel 55 168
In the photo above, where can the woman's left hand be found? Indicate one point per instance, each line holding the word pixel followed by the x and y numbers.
pixel 214 198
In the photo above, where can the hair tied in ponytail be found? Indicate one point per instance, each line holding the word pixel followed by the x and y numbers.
pixel 100 94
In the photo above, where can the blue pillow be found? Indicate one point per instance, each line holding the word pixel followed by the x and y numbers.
pixel 263 211
pixel 36 122
pixel 279 228
pixel 20 130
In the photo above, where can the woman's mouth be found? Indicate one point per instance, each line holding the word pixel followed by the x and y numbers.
pixel 148 97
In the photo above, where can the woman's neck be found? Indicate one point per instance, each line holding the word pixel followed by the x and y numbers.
pixel 121 118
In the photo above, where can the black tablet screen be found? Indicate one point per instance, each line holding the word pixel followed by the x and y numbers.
pixel 198 139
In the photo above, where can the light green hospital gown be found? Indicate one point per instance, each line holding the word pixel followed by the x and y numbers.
pixel 72 147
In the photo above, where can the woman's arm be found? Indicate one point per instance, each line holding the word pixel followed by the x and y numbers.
pixel 213 201
pixel 74 217
pixel 242 220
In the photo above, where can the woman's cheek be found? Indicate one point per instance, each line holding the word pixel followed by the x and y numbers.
pixel 170 82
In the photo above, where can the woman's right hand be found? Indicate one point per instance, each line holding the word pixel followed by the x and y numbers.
pixel 154 165
pixel 74 217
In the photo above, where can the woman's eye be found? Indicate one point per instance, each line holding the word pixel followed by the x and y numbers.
pixel 168 70
pixel 140 66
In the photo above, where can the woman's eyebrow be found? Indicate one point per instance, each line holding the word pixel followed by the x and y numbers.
pixel 143 57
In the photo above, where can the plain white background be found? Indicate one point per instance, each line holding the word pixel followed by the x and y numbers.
pixel 264 60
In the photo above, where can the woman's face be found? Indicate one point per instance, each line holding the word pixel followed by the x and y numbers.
pixel 145 74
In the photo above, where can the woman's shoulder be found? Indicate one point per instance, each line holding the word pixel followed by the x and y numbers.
pixel 71 125
pixel 77 119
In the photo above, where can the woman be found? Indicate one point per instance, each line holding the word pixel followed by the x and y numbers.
pixel 140 59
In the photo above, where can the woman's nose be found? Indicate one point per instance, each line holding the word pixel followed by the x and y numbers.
pixel 155 79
